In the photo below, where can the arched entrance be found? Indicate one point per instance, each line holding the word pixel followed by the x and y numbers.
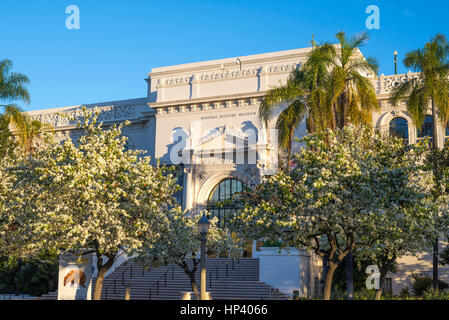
pixel 219 203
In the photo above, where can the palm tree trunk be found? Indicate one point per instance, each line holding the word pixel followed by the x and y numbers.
pixel 435 247
pixel 290 146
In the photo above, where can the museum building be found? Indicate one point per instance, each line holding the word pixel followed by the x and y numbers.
pixel 203 118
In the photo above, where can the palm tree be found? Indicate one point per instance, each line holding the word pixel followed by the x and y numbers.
pixel 353 96
pixel 331 89
pixel 13 88
pixel 294 94
pixel 431 88
pixel 352 99
pixel 35 130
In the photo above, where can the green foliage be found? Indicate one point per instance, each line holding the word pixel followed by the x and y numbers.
pixel 34 276
pixel 26 130
pixel 7 143
pixel 8 268
pixel 359 294
pixel 359 267
pixel 432 61
pixel 421 283
pixel 364 294
pixel 272 243
pixel 92 194
pixel 436 294
pixel 405 293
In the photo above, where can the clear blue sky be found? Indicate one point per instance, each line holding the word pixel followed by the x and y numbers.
pixel 120 41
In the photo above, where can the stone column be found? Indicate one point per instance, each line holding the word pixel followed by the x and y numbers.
pixel 188 188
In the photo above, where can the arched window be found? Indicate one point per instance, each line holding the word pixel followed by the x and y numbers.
pixel 426 131
pixel 399 128
pixel 219 203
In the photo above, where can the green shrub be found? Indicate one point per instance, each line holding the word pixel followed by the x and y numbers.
pixel 34 276
pixel 435 294
pixel 365 294
pixel 420 283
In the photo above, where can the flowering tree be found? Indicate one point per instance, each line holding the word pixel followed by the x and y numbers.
pixel 438 164
pixel 90 195
pixel 407 223
pixel 337 196
pixel 182 242
pixel 8 228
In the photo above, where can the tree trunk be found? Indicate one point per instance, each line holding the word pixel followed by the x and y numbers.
pixel 102 269
pixel 193 284
pixel 328 282
pixel 435 265
pixel 384 269
pixel 16 279
pixel 344 109
pixel 349 263
pixel 191 275
pixel 99 283
pixel 383 276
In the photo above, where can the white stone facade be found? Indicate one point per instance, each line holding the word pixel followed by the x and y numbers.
pixel 215 104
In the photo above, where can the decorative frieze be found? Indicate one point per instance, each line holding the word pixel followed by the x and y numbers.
pixel 225 74
pixel 72 117
pixel 387 83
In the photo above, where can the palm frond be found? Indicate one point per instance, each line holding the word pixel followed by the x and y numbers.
pixel 12 85
pixel 278 95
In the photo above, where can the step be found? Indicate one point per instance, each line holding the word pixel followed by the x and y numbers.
pixel 237 279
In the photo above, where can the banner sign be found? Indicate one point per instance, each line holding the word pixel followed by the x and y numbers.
pixel 75 277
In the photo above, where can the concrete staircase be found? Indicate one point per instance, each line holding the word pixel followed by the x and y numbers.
pixel 230 279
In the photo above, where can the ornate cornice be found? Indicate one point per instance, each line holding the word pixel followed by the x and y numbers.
pixel 223 104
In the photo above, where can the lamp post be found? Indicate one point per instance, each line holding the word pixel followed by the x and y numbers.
pixel 203 227
pixel 395 62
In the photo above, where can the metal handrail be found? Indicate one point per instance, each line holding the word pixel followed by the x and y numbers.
pixel 227 266
pixel 105 288
pixel 217 268
pixel 165 281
